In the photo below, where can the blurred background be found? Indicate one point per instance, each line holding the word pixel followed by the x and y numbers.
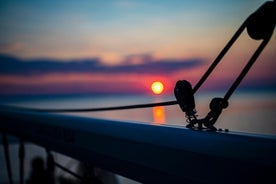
pixel 121 46
pixel 81 54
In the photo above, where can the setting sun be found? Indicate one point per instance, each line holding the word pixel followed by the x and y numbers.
pixel 157 87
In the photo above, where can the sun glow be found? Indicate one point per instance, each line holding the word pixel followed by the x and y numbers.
pixel 157 87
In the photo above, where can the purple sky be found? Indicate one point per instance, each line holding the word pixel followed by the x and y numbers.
pixel 123 46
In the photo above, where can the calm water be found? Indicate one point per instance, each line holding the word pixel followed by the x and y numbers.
pixel 247 112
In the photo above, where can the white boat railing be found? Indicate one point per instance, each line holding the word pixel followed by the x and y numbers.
pixel 149 153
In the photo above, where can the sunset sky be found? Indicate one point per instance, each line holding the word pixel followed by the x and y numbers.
pixel 121 46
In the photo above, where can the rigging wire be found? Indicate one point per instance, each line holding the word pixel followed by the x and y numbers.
pixel 219 57
pixel 246 69
pixel 126 107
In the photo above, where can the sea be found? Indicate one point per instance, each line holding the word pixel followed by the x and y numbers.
pixel 250 111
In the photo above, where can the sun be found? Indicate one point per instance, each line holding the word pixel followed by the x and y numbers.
pixel 157 87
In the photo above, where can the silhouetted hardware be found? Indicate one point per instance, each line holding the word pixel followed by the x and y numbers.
pixel 259 25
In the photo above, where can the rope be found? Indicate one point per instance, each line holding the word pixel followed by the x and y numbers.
pixel 136 106
pixel 245 69
pixel 219 57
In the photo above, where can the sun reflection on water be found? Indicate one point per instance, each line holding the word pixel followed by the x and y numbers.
pixel 158 115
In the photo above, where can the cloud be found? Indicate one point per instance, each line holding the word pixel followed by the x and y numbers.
pixel 10 47
pixel 143 64
pixel 134 75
